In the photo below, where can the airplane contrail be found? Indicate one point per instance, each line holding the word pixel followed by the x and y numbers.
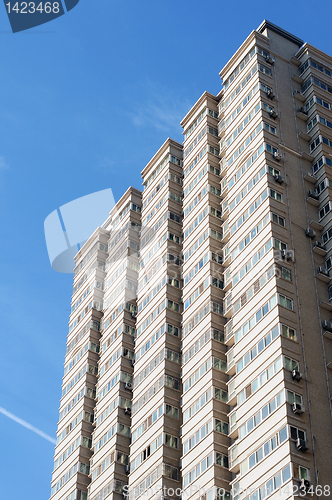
pixel 27 425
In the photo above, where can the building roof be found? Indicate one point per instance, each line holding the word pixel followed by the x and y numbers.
pixel 273 27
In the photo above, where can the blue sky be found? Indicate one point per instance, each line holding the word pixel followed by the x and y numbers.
pixel 86 101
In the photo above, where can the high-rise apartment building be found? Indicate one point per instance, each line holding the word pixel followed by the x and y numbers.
pixel 199 353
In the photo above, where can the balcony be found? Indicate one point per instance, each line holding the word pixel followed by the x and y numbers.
pixel 319 249
pixel 225 232
pixel 302 113
pixel 234 464
pixel 232 397
pixel 305 136
pixel 229 333
pixel 298 95
pixel 224 186
pixel 313 198
pixel 310 178
pixel 233 428
pixel 323 274
pixel 231 368
pixel 228 305
pixel 227 256
pixel 228 283
pixel 297 79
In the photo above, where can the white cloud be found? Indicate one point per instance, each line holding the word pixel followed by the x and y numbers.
pixel 162 109
pixel 27 425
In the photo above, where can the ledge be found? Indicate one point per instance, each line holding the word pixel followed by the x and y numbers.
pixel 297 79
pixel 302 115
pixel 313 201
pixel 319 251
pixel 310 178
pixel 307 156
pixel 326 305
pixel 295 61
pixel 316 225
pixel 305 136
pixel 328 335
pixel 298 95
pixel 323 277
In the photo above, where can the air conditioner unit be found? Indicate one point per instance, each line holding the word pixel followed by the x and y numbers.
pixel 323 270
pixel 127 470
pixel 301 444
pixel 310 233
pixel 318 245
pixel 279 178
pixel 127 410
pixel 304 485
pixel 270 94
pixel 277 156
pixel 313 194
pixel 269 59
pixel 273 114
pixel 327 325
pixel 302 110
pixel 296 375
pixel 297 408
pixel 286 254
pixel 128 386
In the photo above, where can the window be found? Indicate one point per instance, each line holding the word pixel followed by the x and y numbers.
pixel 266 375
pixel 248 212
pixel 173 306
pixel 266 449
pixel 324 210
pixel 278 220
pixel 250 236
pixel 291 364
pixel 221 426
pixel 265 69
pixel 273 171
pixel 215 212
pixel 220 394
pixel 262 414
pixel 296 433
pixel 241 332
pixel 190 382
pixel 244 145
pixel 257 349
pixel 279 245
pixel 285 302
pixel 198 404
pixel 269 128
pixel 219 364
pixel 171 441
pixel 301 472
pixel 288 332
pixel 319 163
pixel 253 289
pixel 222 460
pixel 248 188
pixel 275 195
pixel 248 266
pixel 242 125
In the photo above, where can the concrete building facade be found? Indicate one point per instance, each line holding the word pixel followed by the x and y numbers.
pixel 199 353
